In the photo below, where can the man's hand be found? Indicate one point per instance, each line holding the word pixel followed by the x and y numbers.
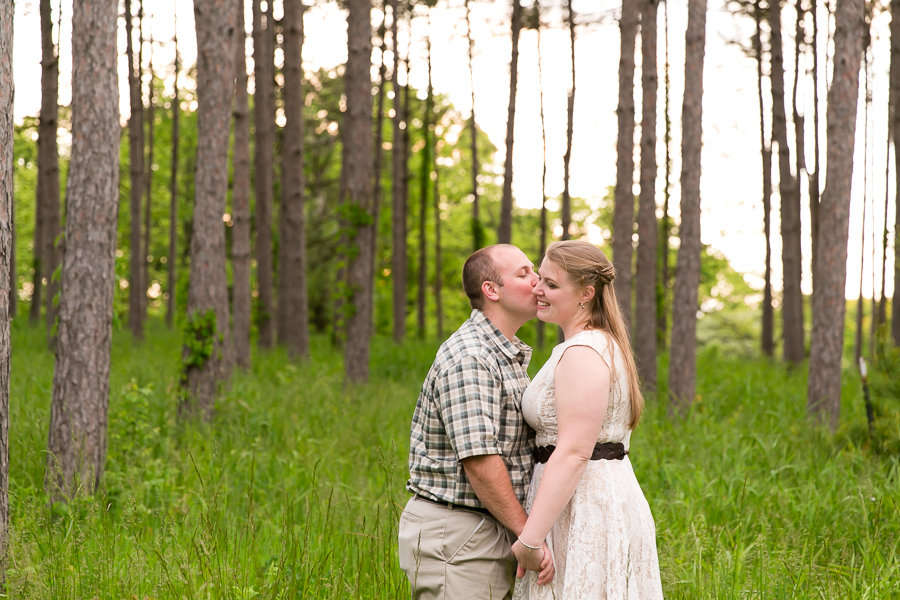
pixel 534 560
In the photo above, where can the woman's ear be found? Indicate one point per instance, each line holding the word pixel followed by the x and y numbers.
pixel 587 294
pixel 489 289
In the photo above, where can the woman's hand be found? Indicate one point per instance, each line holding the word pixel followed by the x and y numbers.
pixel 534 560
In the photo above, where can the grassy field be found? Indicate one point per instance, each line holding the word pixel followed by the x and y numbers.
pixel 295 489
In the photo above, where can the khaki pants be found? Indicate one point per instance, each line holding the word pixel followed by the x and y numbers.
pixel 455 554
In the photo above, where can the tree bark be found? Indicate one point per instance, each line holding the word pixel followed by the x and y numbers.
pixel 570 119
pixel 293 306
pixel 48 167
pixel 78 409
pixel 623 213
pixel 7 92
pixel 768 316
pixel 477 228
pixel 264 121
pixel 504 230
pixel 136 164
pixel 172 259
pixel 860 304
pixel 662 293
pixel 240 199
pixel 357 178
pixel 648 230
pixel 683 357
pixel 792 300
pixel 826 344
pixel 208 285
pixel 895 131
pixel 542 248
pixel 399 264
pixel 378 149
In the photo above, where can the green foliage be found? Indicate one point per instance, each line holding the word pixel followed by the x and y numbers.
pixel 199 341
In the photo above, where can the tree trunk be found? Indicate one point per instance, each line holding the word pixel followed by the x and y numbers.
pixel 882 302
pixel 799 120
pixel 136 163
pixel 504 231
pixel 648 231
pixel 172 259
pixel 858 337
pixel 768 316
pixel 477 228
pixel 436 199
pixel 48 167
pixel 683 359
pixel 13 275
pixel 357 193
pixel 895 131
pixel 792 300
pixel 543 241
pixel 826 344
pixel 293 306
pixel 378 150
pixel 148 204
pixel 623 213
pixel 240 198
pixel 815 179
pixel 424 176
pixel 570 119
pixel 399 264
pixel 78 409
pixel 7 273
pixel 207 354
pixel 662 294
pixel 264 120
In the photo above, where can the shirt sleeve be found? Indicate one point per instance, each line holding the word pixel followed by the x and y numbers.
pixel 468 396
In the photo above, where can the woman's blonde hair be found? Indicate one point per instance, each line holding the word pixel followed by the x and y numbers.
pixel 586 265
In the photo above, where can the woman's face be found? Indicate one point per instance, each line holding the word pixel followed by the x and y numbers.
pixel 558 299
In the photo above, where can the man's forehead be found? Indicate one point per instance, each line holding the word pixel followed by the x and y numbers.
pixel 511 258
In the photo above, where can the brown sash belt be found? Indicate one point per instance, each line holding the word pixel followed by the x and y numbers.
pixel 607 451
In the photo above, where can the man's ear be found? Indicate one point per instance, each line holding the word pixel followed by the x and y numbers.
pixel 587 294
pixel 490 290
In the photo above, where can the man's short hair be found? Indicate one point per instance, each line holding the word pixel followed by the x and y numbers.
pixel 479 267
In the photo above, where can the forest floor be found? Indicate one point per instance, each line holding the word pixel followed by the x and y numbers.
pixel 294 490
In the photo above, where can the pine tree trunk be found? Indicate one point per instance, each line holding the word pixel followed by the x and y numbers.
pixel 79 405
pixel 424 176
pixel 436 201
pixel 662 294
pixel 172 259
pixel 7 265
pixel 542 248
pixel 136 164
pixel 623 213
pixel 48 167
pixel 399 261
pixel 566 212
pixel 357 177
pixel 858 334
pixel 860 304
pixel 208 286
pixel 882 302
pixel 293 306
pixel 148 203
pixel 648 230
pixel 826 344
pixel 792 300
pixel 768 316
pixel 815 178
pixel 504 230
pixel 683 357
pixel 379 145
pixel 477 228
pixel 264 121
pixel 895 131
pixel 240 198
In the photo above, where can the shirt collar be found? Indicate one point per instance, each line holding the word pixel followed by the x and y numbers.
pixel 515 349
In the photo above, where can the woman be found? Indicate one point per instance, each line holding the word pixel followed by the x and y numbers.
pixel 583 404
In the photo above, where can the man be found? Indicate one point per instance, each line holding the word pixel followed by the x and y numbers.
pixel 471 452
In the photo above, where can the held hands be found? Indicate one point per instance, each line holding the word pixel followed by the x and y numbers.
pixel 534 560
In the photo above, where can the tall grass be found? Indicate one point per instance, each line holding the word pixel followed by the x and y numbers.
pixel 294 490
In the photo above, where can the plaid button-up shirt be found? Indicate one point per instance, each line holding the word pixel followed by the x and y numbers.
pixel 470 406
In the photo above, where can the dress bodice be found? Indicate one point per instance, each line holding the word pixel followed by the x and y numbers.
pixel 539 400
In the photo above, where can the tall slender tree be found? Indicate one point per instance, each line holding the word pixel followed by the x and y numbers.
pixel 357 184
pixel 882 299
pixel 768 316
pixel 867 104
pixel 895 131
pixel 136 164
pixel 264 135
pixel 623 212
pixel 815 179
pixel 504 230
pixel 7 89
pixel 78 409
pixel 424 178
pixel 477 228
pixel 824 391
pixel 207 306
pixel 399 264
pixel 48 170
pixel 240 200
pixel 798 116
pixel 792 300
pixel 662 293
pixel 648 230
pixel 172 259
pixel 570 120
pixel 542 246
pixel 436 207
pixel 683 354
pixel 148 202
pixel 293 306
pixel 378 150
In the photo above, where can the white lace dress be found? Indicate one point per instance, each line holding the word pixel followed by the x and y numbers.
pixel 604 543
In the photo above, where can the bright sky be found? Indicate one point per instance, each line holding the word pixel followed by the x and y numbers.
pixel 731 181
